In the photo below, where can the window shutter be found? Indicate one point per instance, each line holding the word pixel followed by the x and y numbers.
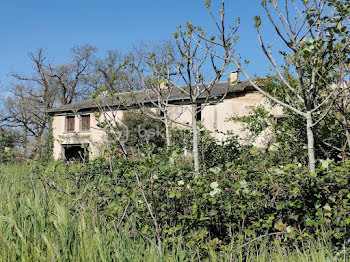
pixel 85 122
pixel 70 123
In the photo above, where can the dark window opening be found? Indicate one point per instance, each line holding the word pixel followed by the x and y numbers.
pixel 76 152
pixel 161 113
pixel 70 123
pixel 199 112
pixel 85 122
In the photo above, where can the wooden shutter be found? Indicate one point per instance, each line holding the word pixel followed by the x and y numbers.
pixel 70 123
pixel 85 122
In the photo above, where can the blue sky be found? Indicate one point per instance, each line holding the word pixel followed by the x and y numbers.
pixel 57 25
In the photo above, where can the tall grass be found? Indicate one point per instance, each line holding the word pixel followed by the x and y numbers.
pixel 37 224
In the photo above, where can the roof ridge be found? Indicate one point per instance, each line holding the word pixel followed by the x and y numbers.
pixel 91 103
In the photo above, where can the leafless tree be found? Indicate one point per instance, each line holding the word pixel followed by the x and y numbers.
pixel 108 72
pixel 47 86
pixel 107 80
pixel 148 68
pixel 28 101
pixel 169 70
pixel 25 109
pixel 199 70
pixel 68 79
pixel 109 120
pixel 40 80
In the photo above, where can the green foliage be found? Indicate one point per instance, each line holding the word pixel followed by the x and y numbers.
pixel 289 134
pixel 143 130
pixel 207 3
pixel 213 152
pixel 8 142
pixel 248 196
pixel 244 204
pixel 256 122
pixel 97 212
pixel 257 23
pixel 138 132
pixel 48 146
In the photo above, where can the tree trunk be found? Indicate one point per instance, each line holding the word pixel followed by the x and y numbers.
pixel 347 133
pixel 167 132
pixel 310 143
pixel 25 143
pixel 195 138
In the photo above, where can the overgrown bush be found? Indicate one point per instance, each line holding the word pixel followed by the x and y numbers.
pixel 211 207
pixel 7 145
pixel 212 151
pixel 143 130
pixel 44 218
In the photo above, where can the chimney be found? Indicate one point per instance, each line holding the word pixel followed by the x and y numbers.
pixel 163 85
pixel 234 77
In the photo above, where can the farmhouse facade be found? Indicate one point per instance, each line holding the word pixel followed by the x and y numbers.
pixel 75 126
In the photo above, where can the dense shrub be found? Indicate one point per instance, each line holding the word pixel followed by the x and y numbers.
pixel 213 152
pixel 8 143
pixel 42 220
pixel 216 204
pixel 143 130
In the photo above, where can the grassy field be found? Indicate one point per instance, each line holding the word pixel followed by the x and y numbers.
pixel 39 224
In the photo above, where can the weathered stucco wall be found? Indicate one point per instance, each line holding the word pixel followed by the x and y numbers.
pixel 214 118
pixel 95 137
pixel 180 114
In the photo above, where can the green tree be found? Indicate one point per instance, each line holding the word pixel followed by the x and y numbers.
pixel 315 50
pixel 8 142
pixel 144 133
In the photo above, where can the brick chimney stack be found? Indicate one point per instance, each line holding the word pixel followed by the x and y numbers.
pixel 234 77
pixel 163 85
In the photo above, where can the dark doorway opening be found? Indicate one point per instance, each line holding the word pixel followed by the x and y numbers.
pixel 76 152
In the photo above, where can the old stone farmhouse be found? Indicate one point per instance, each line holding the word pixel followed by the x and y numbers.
pixel 75 126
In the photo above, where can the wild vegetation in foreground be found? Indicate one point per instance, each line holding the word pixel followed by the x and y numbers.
pixel 289 201
pixel 155 209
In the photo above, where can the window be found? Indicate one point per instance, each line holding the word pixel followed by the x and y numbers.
pixel 160 112
pixel 199 112
pixel 85 122
pixel 75 152
pixel 70 123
